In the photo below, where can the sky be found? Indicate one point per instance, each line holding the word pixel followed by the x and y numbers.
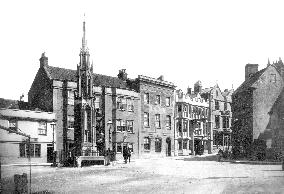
pixel 185 41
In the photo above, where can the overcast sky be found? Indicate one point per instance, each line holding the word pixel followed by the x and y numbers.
pixel 185 41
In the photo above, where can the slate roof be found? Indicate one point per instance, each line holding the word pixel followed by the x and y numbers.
pixel 13 104
pixel 58 73
pixel 249 82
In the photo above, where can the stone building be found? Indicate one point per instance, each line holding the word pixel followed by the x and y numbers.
pixel 220 115
pixel 113 102
pixel 192 132
pixel 36 124
pixel 253 101
pixel 157 113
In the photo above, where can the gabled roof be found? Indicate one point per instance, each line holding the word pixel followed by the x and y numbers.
pixel 249 82
pixel 58 73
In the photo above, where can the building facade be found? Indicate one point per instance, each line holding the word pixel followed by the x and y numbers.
pixel 220 116
pixel 111 101
pixel 36 124
pixel 157 114
pixel 192 130
pixel 252 102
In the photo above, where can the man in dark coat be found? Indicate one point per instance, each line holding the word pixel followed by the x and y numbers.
pixel 128 154
pixel 125 154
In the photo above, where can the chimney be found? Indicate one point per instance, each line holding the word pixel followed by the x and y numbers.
pixel 43 60
pixel 197 87
pixel 188 91
pixel 250 69
pixel 122 74
pixel 161 78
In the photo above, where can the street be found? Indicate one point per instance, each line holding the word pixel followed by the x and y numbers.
pixel 163 175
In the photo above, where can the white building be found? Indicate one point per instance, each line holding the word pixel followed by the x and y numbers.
pixel 36 124
pixel 192 131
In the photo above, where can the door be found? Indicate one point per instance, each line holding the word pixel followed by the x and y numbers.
pixel 49 153
pixel 168 148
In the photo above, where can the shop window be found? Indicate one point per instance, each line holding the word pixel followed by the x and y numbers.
pixel 32 150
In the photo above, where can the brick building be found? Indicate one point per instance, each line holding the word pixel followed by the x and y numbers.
pixel 114 99
pixel 220 115
pixel 157 113
pixel 192 132
pixel 253 101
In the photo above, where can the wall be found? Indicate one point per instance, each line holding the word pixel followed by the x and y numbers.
pixel 153 109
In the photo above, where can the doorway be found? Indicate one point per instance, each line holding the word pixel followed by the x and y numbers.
pixel 168 148
pixel 50 153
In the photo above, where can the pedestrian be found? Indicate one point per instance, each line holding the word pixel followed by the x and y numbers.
pixel 107 157
pixel 128 154
pixel 125 154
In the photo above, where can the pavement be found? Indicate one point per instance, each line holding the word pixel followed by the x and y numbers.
pixel 183 174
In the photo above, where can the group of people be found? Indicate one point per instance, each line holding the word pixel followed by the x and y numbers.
pixel 126 154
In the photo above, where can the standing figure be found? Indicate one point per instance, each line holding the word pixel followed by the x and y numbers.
pixel 125 154
pixel 128 154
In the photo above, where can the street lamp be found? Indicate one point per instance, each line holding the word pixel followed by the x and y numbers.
pixel 54 152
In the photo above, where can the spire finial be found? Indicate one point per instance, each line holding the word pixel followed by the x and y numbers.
pixel 268 62
pixel 84 36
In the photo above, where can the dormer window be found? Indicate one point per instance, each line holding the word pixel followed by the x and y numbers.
pixel 273 78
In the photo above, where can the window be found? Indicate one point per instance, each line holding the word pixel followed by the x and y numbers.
pixel 216 105
pixel 70 123
pixel 121 103
pixel 13 125
pixel 158 145
pixel 119 148
pixel 184 126
pixel 158 99
pixel 34 150
pixel 225 106
pixel 146 98
pixel 217 121
pixel 185 145
pixel 130 146
pixel 168 122
pixel 146 119
pixel 180 145
pixel 70 97
pixel 225 122
pixel 129 125
pixel 147 143
pixel 168 101
pixel 42 128
pixel 273 78
pixel 97 102
pixel 179 126
pixel 179 108
pixel 130 106
pixel 120 125
pixel 157 121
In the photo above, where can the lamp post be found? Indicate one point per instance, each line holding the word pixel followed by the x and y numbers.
pixel 54 152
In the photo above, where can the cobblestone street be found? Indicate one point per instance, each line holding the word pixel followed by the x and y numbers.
pixel 166 175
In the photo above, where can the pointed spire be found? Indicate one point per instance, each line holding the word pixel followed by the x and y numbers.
pixel 268 62
pixel 84 42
